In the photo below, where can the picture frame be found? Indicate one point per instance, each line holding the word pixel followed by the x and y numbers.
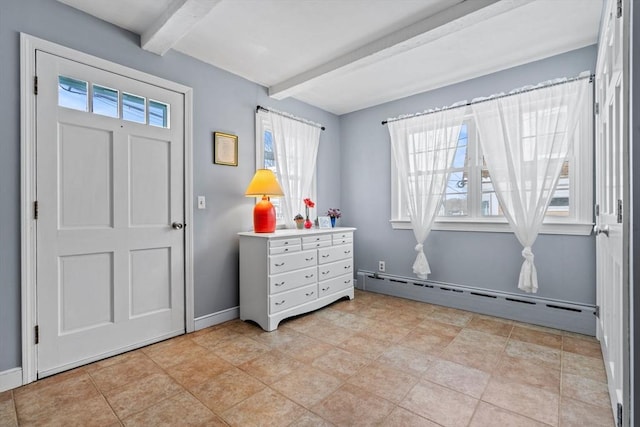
pixel 324 222
pixel 225 149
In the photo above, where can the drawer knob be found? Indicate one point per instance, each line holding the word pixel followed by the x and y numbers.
pixel 326 272
pixel 280 303
pixel 326 256
pixel 347 267
pixel 309 294
pixel 279 265
pixel 309 259
pixel 347 252
pixel 347 281
pixel 309 276
pixel 326 289
pixel 280 284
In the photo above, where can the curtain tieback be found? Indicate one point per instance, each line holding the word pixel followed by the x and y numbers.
pixel 527 253
pixel 418 247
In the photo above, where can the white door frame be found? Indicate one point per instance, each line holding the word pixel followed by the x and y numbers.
pixel 28 46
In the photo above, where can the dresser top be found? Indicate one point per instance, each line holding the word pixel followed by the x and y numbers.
pixel 294 232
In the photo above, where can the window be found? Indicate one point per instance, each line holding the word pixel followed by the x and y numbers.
pixel 109 102
pixel 265 158
pixel 470 202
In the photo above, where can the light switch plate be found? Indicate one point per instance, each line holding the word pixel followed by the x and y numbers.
pixel 202 204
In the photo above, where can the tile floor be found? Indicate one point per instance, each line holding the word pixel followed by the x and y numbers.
pixel 376 360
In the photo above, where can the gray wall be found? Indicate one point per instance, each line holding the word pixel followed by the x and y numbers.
pixel 222 102
pixel 565 264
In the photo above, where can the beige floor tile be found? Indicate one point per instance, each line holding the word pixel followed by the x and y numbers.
pixel 584 366
pixel 309 419
pixel 340 363
pixel 140 395
pixel 585 390
pixel 174 352
pixel 574 413
pixel 440 404
pixel 304 348
pixel 215 336
pixel 461 378
pixel 406 359
pixel 8 415
pixel 241 350
pixel 400 417
pixel 489 415
pixel 429 342
pixel 484 357
pixel 307 386
pixel 451 316
pixel 383 381
pixel 270 367
pixel 352 406
pixel 581 346
pixel 182 409
pixel 365 346
pixel 277 338
pixel 525 400
pixel 130 370
pixel 226 390
pixel 539 354
pixel 383 331
pixel 198 369
pixel 331 333
pixel 538 337
pixel 490 325
pixel 527 372
pixel 579 336
pixel 266 408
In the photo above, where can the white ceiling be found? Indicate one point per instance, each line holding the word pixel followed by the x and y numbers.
pixel 345 55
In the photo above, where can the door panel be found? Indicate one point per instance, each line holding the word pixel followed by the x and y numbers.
pixel 110 268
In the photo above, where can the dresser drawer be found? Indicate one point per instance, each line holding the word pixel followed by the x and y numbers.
pixel 316 238
pixel 284 249
pixel 316 245
pixel 286 300
pixel 293 279
pixel 334 253
pixel 288 262
pixel 276 243
pixel 342 238
pixel 334 269
pixel 336 284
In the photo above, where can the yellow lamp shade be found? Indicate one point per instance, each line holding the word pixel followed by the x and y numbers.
pixel 264 183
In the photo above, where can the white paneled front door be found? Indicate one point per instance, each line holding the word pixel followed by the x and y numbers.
pixel 610 198
pixel 110 191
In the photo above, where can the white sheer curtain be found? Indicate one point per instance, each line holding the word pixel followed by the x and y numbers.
pixel 423 148
pixel 525 139
pixel 295 148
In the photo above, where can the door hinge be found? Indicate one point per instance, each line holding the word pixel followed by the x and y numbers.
pixel 619 9
pixel 597 311
pixel 619 211
pixel 596 107
pixel 37 334
pixel 35 85
pixel 596 209
pixel 36 210
pixel 619 415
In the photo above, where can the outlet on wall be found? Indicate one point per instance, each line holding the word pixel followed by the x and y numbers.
pixel 381 266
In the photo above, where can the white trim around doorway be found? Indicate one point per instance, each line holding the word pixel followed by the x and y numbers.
pixel 28 46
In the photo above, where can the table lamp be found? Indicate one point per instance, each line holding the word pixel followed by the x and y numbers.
pixel 264 184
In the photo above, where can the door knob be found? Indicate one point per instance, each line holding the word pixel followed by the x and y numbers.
pixel 177 226
pixel 601 230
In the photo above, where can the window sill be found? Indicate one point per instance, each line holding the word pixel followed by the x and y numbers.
pixel 573 229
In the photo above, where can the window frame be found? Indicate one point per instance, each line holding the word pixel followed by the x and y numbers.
pixel 262 125
pixel 578 222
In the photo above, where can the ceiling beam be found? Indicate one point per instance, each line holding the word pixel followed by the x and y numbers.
pixel 448 21
pixel 174 23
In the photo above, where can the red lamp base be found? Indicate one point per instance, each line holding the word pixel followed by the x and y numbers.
pixel 264 217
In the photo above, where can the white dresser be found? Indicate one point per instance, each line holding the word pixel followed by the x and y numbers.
pixel 290 272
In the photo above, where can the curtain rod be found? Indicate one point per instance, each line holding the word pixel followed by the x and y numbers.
pixel 573 79
pixel 260 107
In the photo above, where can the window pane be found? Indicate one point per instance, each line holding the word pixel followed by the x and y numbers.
pixel 158 114
pixel 455 198
pixel 269 157
pixel 460 158
pixel 72 93
pixel 133 108
pixel 559 205
pixel 105 101
pixel 490 205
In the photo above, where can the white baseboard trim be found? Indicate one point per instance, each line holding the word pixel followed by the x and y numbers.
pixel 11 378
pixel 217 318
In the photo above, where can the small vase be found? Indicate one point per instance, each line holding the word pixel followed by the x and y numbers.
pixel 333 221
pixel 308 223
pixel 300 224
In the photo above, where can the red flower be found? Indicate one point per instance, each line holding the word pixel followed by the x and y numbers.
pixel 308 203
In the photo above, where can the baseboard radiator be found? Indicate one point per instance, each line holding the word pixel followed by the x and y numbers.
pixel 563 315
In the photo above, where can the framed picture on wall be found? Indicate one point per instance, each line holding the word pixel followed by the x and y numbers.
pixel 324 222
pixel 225 149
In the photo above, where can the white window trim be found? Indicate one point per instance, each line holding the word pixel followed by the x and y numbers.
pixel 262 124
pixel 579 223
